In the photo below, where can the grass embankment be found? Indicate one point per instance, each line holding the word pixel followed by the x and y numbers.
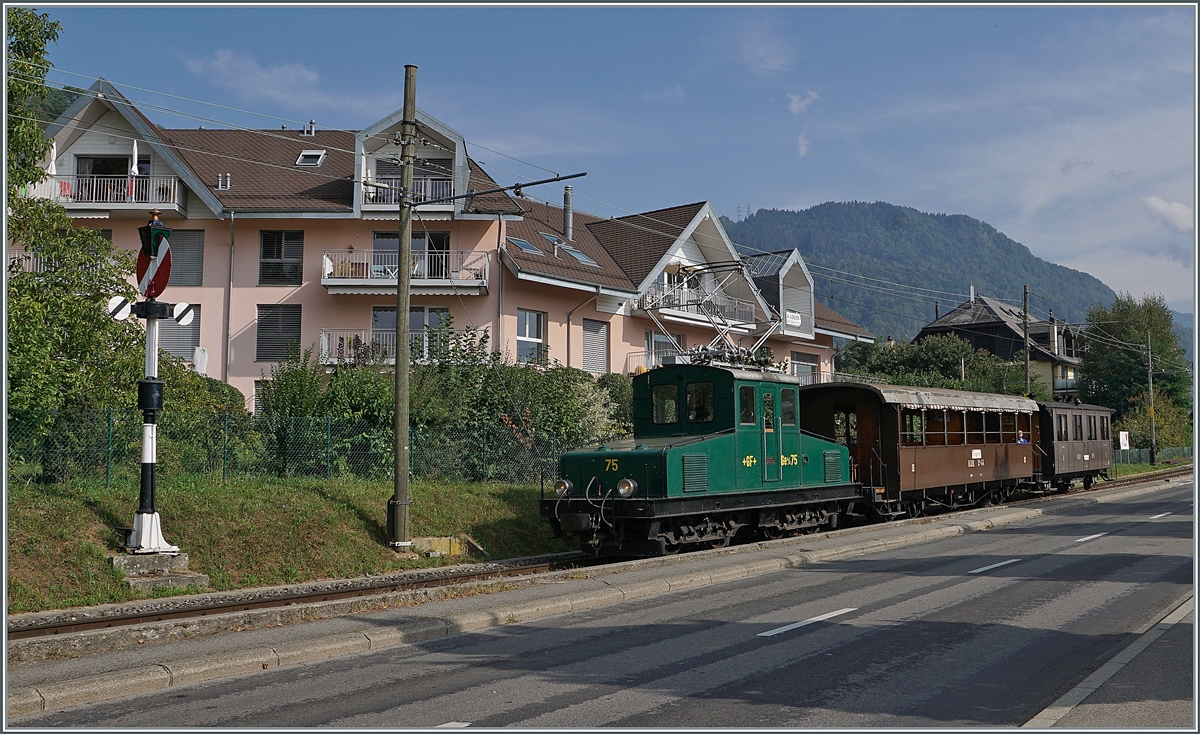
pixel 1124 470
pixel 247 532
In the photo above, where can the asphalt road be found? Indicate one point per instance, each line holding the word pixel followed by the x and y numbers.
pixel 983 629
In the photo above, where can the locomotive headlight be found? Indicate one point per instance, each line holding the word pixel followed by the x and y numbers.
pixel 563 487
pixel 626 487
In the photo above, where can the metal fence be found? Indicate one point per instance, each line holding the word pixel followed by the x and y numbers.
pixel 107 443
pixel 1142 456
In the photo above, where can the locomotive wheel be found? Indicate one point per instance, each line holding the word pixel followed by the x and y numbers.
pixel 719 543
pixel 771 532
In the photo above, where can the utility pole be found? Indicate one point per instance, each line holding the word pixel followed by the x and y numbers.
pixel 1150 380
pixel 1025 329
pixel 397 518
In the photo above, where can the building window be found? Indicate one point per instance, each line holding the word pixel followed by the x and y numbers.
pixel 180 341
pixel 531 336
pixel 423 325
pixel 806 367
pixel 187 257
pixel 281 258
pixel 595 346
pixel 659 345
pixel 312 158
pixel 278 330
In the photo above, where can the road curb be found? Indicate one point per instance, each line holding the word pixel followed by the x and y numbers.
pixel 108 686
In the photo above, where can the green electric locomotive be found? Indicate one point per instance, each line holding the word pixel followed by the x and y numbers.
pixel 716 451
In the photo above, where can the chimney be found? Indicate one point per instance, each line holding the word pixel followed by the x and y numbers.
pixel 972 293
pixel 568 214
pixel 1053 334
pixel 936 315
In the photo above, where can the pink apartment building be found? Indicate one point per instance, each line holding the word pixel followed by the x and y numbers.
pixel 288 237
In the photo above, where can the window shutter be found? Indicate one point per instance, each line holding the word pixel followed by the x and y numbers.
pixel 180 341
pixel 278 327
pixel 595 346
pixel 187 257
pixel 281 258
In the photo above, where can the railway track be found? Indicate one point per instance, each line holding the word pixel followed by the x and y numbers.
pixel 68 622
pixel 176 609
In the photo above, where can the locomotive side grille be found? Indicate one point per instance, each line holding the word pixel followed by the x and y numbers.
pixel 833 466
pixel 695 472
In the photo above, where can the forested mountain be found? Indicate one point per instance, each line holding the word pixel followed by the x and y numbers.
pixel 938 252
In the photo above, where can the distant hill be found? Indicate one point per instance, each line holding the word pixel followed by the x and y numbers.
pixel 898 244
pixel 1183 327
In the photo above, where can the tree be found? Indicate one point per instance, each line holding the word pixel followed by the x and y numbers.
pixel 1171 424
pixel 1113 344
pixel 28 35
pixel 944 360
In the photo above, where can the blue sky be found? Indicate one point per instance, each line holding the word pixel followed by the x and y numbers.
pixel 1070 129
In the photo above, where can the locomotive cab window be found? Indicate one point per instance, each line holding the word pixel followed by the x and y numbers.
pixel 746 412
pixel 768 412
pixel 666 404
pixel 700 402
pixel 787 406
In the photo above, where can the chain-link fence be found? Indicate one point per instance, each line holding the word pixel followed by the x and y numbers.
pixel 1142 456
pixel 108 443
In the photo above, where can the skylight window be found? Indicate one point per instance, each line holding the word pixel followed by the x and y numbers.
pixel 560 242
pixel 312 158
pixel 524 246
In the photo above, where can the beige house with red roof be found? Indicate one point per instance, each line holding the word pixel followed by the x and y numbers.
pixel 290 237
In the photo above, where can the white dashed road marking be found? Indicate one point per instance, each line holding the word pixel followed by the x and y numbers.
pixel 1158 516
pixel 995 565
pixel 452 725
pixel 1090 537
pixel 822 618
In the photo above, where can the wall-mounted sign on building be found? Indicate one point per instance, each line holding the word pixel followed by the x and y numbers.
pixel 792 318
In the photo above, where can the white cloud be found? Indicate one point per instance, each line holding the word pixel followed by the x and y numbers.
pixel 294 84
pixel 670 94
pixel 1174 215
pixel 798 105
pixel 802 143
pixel 760 47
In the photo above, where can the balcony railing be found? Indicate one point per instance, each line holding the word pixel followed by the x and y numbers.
pixel 107 190
pixel 451 265
pixel 1064 385
pixel 696 302
pixel 28 262
pixel 351 346
pixel 424 189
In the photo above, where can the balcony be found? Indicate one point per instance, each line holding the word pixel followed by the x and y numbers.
pixel 424 189
pixel 357 346
pixel 697 303
pixel 638 362
pixel 113 192
pixel 451 272
pixel 27 262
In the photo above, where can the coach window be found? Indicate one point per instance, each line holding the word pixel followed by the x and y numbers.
pixel 1104 436
pixel 991 422
pixel 746 415
pixel 666 404
pixel 914 427
pixel 1062 427
pixel 787 406
pixel 1024 423
pixel 1008 427
pixel 1091 428
pixel 935 428
pixel 955 427
pixel 1076 427
pixel 700 402
pixel 845 425
pixel 974 427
